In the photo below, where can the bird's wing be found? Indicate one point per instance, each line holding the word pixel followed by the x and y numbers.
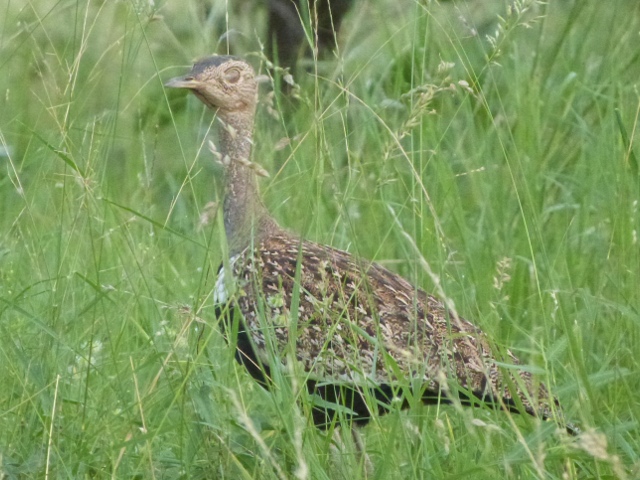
pixel 349 322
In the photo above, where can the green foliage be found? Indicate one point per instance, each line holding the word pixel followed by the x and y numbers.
pixel 485 150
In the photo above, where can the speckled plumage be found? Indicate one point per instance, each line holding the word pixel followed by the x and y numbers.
pixel 360 324
pixel 352 326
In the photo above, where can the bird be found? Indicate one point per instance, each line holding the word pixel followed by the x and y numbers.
pixel 286 30
pixel 360 333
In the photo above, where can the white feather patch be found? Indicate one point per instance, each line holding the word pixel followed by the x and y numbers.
pixel 221 290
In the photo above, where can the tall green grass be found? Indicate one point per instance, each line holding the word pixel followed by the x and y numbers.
pixel 484 151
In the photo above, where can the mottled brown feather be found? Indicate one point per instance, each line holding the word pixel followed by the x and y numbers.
pixel 361 324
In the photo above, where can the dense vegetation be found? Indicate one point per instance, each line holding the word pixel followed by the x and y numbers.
pixel 486 150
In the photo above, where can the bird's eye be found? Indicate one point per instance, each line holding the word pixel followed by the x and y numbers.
pixel 232 75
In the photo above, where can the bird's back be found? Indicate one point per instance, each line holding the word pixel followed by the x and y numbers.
pixel 361 325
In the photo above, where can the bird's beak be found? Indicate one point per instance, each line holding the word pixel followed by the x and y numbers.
pixel 185 81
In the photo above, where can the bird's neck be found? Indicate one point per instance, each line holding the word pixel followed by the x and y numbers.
pixel 246 219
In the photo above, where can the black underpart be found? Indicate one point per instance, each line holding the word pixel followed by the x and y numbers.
pixel 353 402
pixel 341 395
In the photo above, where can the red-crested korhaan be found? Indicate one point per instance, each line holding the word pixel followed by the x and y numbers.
pixel 360 333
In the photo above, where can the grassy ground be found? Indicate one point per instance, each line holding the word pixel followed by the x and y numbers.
pixel 495 146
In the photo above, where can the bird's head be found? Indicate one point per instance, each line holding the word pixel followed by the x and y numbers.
pixel 221 82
